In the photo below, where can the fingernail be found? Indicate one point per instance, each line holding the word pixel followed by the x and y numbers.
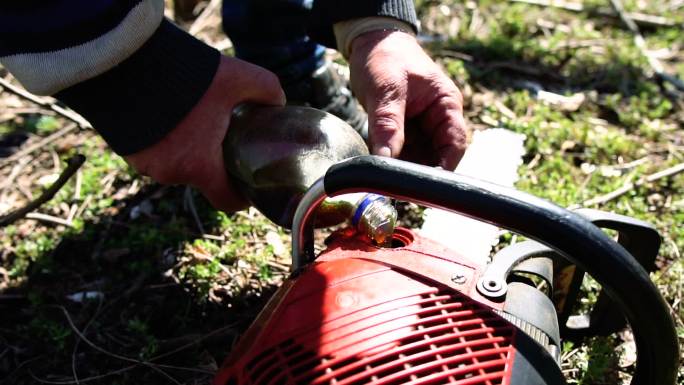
pixel 383 151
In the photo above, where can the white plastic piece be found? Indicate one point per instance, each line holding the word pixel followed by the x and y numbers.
pixel 494 156
pixel 82 296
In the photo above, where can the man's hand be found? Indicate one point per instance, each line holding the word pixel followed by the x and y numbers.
pixel 192 153
pixel 396 81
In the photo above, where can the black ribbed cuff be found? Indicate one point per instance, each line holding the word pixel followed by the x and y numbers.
pixel 325 13
pixel 136 103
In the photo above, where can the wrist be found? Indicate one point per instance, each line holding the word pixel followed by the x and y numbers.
pixel 348 31
pixel 365 42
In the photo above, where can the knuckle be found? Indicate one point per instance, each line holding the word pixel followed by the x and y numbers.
pixel 386 122
pixel 389 84
pixel 450 100
pixel 267 78
pixel 263 86
pixel 456 93
pixel 453 97
pixel 387 90
pixel 446 88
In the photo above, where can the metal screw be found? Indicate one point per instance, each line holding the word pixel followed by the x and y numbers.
pixel 493 285
pixel 458 278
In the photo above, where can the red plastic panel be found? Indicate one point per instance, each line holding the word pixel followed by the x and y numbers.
pixel 351 321
pixel 450 340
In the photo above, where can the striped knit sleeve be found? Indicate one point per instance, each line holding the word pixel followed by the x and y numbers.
pixel 325 13
pixel 133 74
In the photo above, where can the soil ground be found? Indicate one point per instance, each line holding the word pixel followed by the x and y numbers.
pixel 118 280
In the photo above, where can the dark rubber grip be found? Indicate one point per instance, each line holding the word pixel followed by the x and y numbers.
pixel 574 237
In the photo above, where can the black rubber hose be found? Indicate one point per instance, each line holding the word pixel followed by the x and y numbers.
pixel 625 281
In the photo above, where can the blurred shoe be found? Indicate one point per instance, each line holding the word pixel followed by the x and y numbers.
pixel 326 90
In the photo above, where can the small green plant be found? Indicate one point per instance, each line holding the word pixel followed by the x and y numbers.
pixel 150 344
pixel 49 331
pixel 628 127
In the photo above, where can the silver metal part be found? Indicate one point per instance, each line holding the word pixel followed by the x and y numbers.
pixel 302 225
pixel 493 284
pixel 459 278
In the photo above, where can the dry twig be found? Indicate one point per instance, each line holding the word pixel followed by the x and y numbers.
pixel 639 41
pixel 668 172
pixel 133 360
pixel 194 342
pixel 69 114
pixel 189 204
pixel 43 142
pixel 573 6
pixel 155 367
pixel 85 329
pixel 201 22
pixel 133 366
pixel 84 380
pixel 16 170
pixel 566 5
pixel 74 164
pixel 50 219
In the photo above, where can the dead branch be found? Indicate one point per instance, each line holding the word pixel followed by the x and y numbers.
pixel 49 219
pixel 194 342
pixel 155 367
pixel 16 170
pixel 85 329
pixel 43 142
pixel 74 164
pixel 201 22
pixel 69 114
pixel 135 362
pixel 668 172
pixel 639 41
pixel 84 380
pixel 189 204
pixel 566 5
pixel 642 19
pixel 455 55
pixel 83 206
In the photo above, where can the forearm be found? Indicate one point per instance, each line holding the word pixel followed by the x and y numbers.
pixel 132 74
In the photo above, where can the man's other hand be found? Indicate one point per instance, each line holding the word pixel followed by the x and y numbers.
pixel 192 153
pixel 397 82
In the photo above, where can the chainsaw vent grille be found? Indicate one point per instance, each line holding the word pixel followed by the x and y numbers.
pixel 448 339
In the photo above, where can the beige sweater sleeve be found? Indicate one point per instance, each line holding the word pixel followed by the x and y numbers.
pixel 346 31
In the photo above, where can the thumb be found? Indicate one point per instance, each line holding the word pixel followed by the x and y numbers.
pixel 386 124
pixel 256 84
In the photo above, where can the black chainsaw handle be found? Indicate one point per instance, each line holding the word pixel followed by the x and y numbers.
pixel 574 237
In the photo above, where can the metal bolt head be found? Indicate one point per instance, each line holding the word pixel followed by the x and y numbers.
pixel 458 278
pixel 492 285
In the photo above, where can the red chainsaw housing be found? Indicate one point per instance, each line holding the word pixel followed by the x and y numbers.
pixel 362 314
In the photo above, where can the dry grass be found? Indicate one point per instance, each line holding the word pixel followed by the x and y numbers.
pixel 169 293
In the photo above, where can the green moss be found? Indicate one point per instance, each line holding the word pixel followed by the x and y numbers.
pixel 49 331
